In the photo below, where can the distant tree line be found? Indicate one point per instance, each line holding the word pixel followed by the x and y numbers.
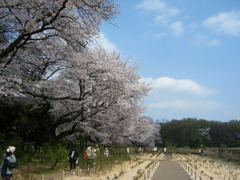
pixel 194 133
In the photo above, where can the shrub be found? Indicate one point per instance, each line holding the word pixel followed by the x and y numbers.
pixel 55 154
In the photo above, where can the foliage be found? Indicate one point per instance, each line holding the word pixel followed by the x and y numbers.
pixel 196 133
pixel 121 172
pixel 21 120
pixel 55 154
pixel 140 173
pixel 149 164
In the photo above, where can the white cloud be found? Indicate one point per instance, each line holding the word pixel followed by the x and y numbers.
pixel 177 28
pixel 205 41
pixel 174 85
pixel 154 35
pixel 164 15
pixel 213 42
pixel 183 104
pixel 153 5
pixel 176 98
pixel 163 9
pixel 160 6
pixel 226 23
pixel 104 42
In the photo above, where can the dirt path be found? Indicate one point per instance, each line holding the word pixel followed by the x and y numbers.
pixel 170 169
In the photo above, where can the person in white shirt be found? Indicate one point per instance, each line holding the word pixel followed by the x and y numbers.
pixel 106 152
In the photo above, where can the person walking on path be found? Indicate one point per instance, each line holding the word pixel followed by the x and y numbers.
pixel 6 172
pixel 89 152
pixel 90 157
pixel 106 152
pixel 73 158
pixel 164 150
pixel 201 153
pixel 128 153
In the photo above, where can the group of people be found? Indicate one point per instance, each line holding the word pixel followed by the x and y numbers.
pixel 139 150
pixel 90 153
pixel 8 157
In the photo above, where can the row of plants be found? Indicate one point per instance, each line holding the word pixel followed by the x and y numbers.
pixel 50 159
pixel 224 153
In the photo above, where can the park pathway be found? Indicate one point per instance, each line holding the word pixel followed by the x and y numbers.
pixel 169 169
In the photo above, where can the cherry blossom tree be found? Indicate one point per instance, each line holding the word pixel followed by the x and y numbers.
pixel 97 94
pixel 39 37
pixel 44 61
pixel 205 133
pixel 145 131
pixel 110 92
pixel 73 22
pixel 113 126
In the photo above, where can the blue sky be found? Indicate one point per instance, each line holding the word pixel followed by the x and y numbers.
pixel 188 50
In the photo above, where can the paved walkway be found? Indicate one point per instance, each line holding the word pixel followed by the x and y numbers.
pixel 169 169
